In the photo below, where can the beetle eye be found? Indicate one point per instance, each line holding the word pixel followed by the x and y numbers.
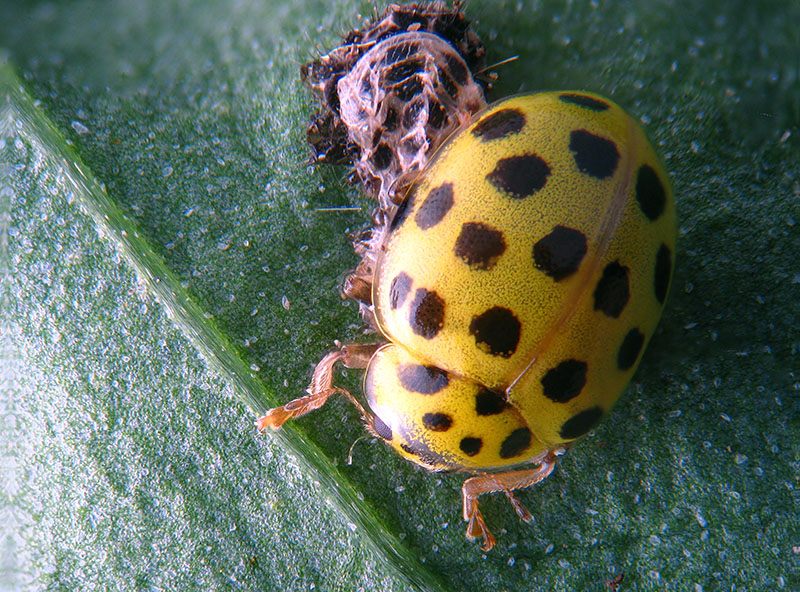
pixel 383 430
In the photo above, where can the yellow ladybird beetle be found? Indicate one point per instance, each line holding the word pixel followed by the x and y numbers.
pixel 516 287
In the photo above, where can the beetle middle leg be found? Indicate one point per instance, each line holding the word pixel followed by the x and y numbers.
pixel 506 482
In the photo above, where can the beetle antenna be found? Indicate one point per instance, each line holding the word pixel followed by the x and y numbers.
pixel 349 460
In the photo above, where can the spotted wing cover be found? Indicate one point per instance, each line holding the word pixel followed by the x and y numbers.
pixel 441 421
pixel 533 255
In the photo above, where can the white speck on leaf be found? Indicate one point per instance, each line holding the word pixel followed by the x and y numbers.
pixel 79 128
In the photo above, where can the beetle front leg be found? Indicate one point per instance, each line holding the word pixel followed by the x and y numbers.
pixel 321 387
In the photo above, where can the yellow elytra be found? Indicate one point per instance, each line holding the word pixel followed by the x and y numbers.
pixel 517 286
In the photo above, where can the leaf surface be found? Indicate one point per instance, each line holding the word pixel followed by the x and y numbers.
pixel 149 315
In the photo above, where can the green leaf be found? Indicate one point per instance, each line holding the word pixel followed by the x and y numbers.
pixel 115 448
pixel 147 319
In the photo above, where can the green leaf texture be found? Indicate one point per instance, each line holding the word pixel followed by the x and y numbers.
pixel 170 268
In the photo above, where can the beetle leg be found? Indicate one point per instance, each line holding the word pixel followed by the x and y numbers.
pixel 476 526
pixel 506 482
pixel 321 387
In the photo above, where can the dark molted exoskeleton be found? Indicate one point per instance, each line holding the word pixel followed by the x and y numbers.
pixel 388 97
pixel 392 92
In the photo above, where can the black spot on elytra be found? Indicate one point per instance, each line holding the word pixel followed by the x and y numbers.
pixel 496 331
pixel 399 289
pixel 425 380
pixel 650 193
pixel 565 381
pixel 595 156
pixel 516 443
pixel 577 425
pixel 489 402
pixel 470 446
pixel 437 422
pixel 499 124
pixel 425 454
pixel 583 101
pixel 613 290
pixel 403 210
pixel 559 254
pixel 630 349
pixel 409 449
pixel 519 176
pixel 383 430
pixel 426 313
pixel 663 272
pixel 435 207
pixel 479 245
